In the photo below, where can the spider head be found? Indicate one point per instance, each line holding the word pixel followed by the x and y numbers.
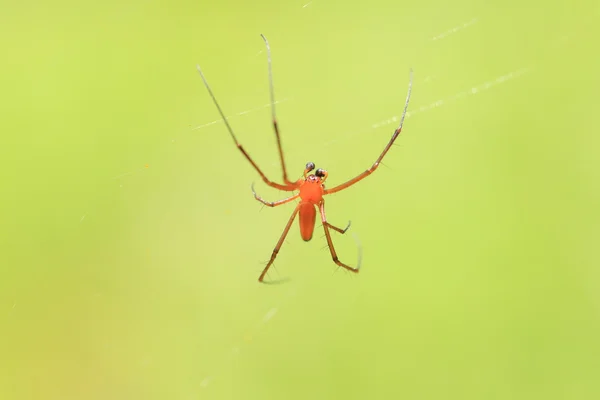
pixel 318 177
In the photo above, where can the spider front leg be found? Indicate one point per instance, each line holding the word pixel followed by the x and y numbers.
pixel 287 186
pixel 326 226
pixel 274 115
pixel 375 165
pixel 274 203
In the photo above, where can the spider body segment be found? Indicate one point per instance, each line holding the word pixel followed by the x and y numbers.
pixel 310 189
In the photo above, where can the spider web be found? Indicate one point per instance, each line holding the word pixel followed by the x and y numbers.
pixel 425 109
pixel 415 111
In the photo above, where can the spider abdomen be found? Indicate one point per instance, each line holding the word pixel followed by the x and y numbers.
pixel 307 217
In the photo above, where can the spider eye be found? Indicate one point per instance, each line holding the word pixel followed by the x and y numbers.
pixel 310 166
pixel 320 173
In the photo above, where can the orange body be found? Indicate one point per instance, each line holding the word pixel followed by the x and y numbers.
pixel 307 217
pixel 311 194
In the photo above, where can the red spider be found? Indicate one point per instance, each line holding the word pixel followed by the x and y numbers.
pixel 311 188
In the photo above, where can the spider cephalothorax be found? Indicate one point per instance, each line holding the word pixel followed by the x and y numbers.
pixel 311 189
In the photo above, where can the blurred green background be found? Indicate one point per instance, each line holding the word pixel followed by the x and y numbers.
pixel 131 244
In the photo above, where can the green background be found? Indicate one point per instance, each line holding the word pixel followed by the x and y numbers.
pixel 131 244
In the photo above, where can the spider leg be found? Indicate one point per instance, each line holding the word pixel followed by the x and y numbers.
pixel 383 153
pixel 340 230
pixel 288 185
pixel 273 203
pixel 334 256
pixel 279 243
pixel 274 117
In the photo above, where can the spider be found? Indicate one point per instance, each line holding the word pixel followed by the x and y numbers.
pixel 311 187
